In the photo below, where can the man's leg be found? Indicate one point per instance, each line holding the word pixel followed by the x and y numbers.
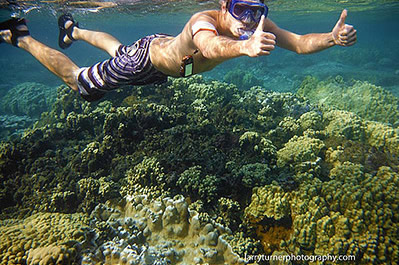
pixel 98 39
pixel 53 60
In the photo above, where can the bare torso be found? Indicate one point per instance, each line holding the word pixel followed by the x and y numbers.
pixel 209 50
pixel 166 53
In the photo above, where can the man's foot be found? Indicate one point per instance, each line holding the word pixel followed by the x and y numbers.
pixel 13 29
pixel 66 24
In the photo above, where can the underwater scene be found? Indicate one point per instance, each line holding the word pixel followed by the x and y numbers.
pixel 279 159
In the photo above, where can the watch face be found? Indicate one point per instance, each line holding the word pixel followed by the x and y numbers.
pixel 189 69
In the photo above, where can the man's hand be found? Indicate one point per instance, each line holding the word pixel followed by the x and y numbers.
pixel 260 43
pixel 344 34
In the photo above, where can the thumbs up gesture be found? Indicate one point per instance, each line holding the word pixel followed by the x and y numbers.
pixel 260 43
pixel 344 34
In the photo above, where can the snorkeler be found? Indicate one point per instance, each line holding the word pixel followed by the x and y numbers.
pixel 239 28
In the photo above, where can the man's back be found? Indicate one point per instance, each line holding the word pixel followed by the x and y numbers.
pixel 167 53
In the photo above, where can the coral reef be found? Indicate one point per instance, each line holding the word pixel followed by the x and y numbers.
pixel 13 126
pixel 28 99
pixel 191 181
pixel 383 137
pixel 161 231
pixel 348 125
pixel 344 216
pixel 148 172
pixel 21 106
pixel 43 238
pixel 242 79
pixel 301 153
pixel 366 100
pixel 206 168
pixel 256 145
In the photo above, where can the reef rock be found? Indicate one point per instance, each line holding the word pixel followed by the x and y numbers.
pixel 160 231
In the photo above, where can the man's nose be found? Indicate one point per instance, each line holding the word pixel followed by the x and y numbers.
pixel 247 18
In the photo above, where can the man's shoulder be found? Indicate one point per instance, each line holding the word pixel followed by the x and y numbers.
pixel 208 15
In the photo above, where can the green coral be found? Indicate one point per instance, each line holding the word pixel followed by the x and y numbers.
pixel 383 137
pixel 253 175
pixel 254 143
pixel 148 172
pixel 289 126
pixel 245 245
pixel 93 191
pixel 65 103
pixel 92 157
pixel 270 202
pixel 213 93
pixel 229 213
pixel 311 120
pixel 366 100
pixel 348 125
pixel 194 183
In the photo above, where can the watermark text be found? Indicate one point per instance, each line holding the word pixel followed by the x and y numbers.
pixel 292 257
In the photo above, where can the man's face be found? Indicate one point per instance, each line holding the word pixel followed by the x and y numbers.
pixel 242 15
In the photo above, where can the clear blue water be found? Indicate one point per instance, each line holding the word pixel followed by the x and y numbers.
pixel 373 58
pixel 54 165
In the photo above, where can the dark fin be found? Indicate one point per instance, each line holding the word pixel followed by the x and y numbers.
pixel 18 28
pixel 66 32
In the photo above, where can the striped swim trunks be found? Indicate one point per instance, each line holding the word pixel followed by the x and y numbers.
pixel 130 66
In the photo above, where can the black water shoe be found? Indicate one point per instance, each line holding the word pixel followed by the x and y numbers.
pixel 66 31
pixel 18 28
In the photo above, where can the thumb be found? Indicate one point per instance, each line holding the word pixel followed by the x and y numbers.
pixel 342 18
pixel 261 23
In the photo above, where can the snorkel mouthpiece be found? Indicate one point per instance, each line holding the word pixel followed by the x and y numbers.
pixel 245 34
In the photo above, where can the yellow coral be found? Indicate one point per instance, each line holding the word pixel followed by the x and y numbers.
pixel 383 137
pixel 43 237
pixel 355 213
pixel 300 149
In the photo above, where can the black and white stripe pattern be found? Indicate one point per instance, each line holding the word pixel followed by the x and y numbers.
pixel 130 66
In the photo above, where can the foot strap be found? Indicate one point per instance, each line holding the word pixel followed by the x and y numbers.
pixel 18 28
pixel 66 31
pixel 70 29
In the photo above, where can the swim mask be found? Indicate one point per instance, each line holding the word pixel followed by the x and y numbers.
pixel 247 11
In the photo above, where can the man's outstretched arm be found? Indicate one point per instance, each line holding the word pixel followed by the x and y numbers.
pixel 220 48
pixel 342 34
